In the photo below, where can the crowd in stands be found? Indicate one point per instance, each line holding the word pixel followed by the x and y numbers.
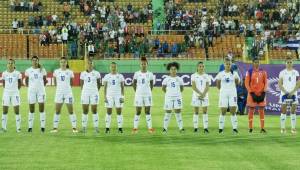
pixel 26 5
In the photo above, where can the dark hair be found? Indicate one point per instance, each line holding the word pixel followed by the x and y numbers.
pixel 36 57
pixel 200 62
pixel 64 58
pixel 13 60
pixel 227 59
pixel 255 59
pixel 173 64
pixel 144 59
pixel 113 63
pixel 288 58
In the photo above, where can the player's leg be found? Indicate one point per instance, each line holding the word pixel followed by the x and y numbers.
pixel 119 119
pixel 18 118
pixel 84 119
pixel 4 117
pixel 149 119
pixel 95 117
pixel 72 117
pixel 56 117
pixel 196 119
pixel 283 117
pixel 261 111
pixel 222 119
pixel 205 119
pixel 293 118
pixel 136 119
pixel 168 107
pixel 251 111
pixel 234 119
pixel 108 118
pixel 41 102
pixel 179 120
pixel 31 116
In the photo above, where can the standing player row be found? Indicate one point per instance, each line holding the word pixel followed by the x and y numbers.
pixel 113 82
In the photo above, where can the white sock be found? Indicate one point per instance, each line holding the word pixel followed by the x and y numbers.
pixel 4 121
pixel 56 120
pixel 205 121
pixel 84 120
pixel 149 121
pixel 18 121
pixel 107 121
pixel 196 120
pixel 167 120
pixel 96 120
pixel 234 121
pixel 136 121
pixel 221 121
pixel 73 120
pixel 120 121
pixel 293 120
pixel 30 119
pixel 282 120
pixel 43 119
pixel 179 120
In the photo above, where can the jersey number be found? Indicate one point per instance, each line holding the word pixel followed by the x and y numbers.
pixel 143 81
pixel 173 84
pixel 113 82
pixel 36 76
pixel 89 79
pixel 62 78
pixel 10 80
pixel 290 78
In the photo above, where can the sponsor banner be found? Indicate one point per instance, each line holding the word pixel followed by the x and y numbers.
pixel 128 78
pixel 273 92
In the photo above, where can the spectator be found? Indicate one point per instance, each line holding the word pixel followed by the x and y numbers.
pixel 15 25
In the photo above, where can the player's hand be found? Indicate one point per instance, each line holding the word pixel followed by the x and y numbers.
pixel 105 100
pixel 122 100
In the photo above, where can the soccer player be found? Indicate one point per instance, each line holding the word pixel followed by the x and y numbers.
pixel 172 86
pixel 200 85
pixel 114 96
pixel 226 83
pixel 289 85
pixel 63 79
pixel 35 79
pixel 90 81
pixel 256 84
pixel 143 85
pixel 11 94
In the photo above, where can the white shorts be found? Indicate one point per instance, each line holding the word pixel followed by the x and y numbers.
pixel 113 101
pixel 227 99
pixel 64 98
pixel 173 103
pixel 196 102
pixel 90 98
pixel 140 101
pixel 11 99
pixel 284 102
pixel 36 96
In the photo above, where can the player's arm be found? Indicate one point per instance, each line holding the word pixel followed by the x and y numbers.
pixel 98 83
pixel 218 84
pixel 265 81
pixel 237 81
pixel 122 88
pixel 71 81
pixel 134 84
pixel 206 88
pixel 105 91
pixel 195 88
pixel 45 80
pixel 19 83
pixel 164 88
pixel 26 80
pixel 181 88
pixel 151 84
pixel 280 83
pixel 247 81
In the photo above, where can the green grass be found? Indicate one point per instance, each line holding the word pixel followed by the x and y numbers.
pixel 188 151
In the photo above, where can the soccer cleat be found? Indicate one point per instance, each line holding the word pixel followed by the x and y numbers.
pixel 120 130
pixel 54 130
pixel 43 130
pixel 293 131
pixel 74 130
pixel 29 129
pixel 250 130
pixel 221 131
pixel 97 130
pixel 134 131
pixel 151 130
pixel 195 130
pixel 164 131
pixel 282 131
pixel 107 130
pixel 83 130
pixel 206 131
pixel 18 130
pixel 235 131
pixel 263 131
pixel 3 130
pixel 181 130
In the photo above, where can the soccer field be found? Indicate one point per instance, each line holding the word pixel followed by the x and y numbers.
pixel 144 151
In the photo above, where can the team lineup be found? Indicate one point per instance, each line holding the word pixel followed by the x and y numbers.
pixel 173 87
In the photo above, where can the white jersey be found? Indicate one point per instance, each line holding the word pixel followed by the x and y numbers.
pixel 114 82
pixel 90 81
pixel 173 86
pixel 36 78
pixel 227 81
pixel 11 81
pixel 200 82
pixel 143 83
pixel 289 79
pixel 63 80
